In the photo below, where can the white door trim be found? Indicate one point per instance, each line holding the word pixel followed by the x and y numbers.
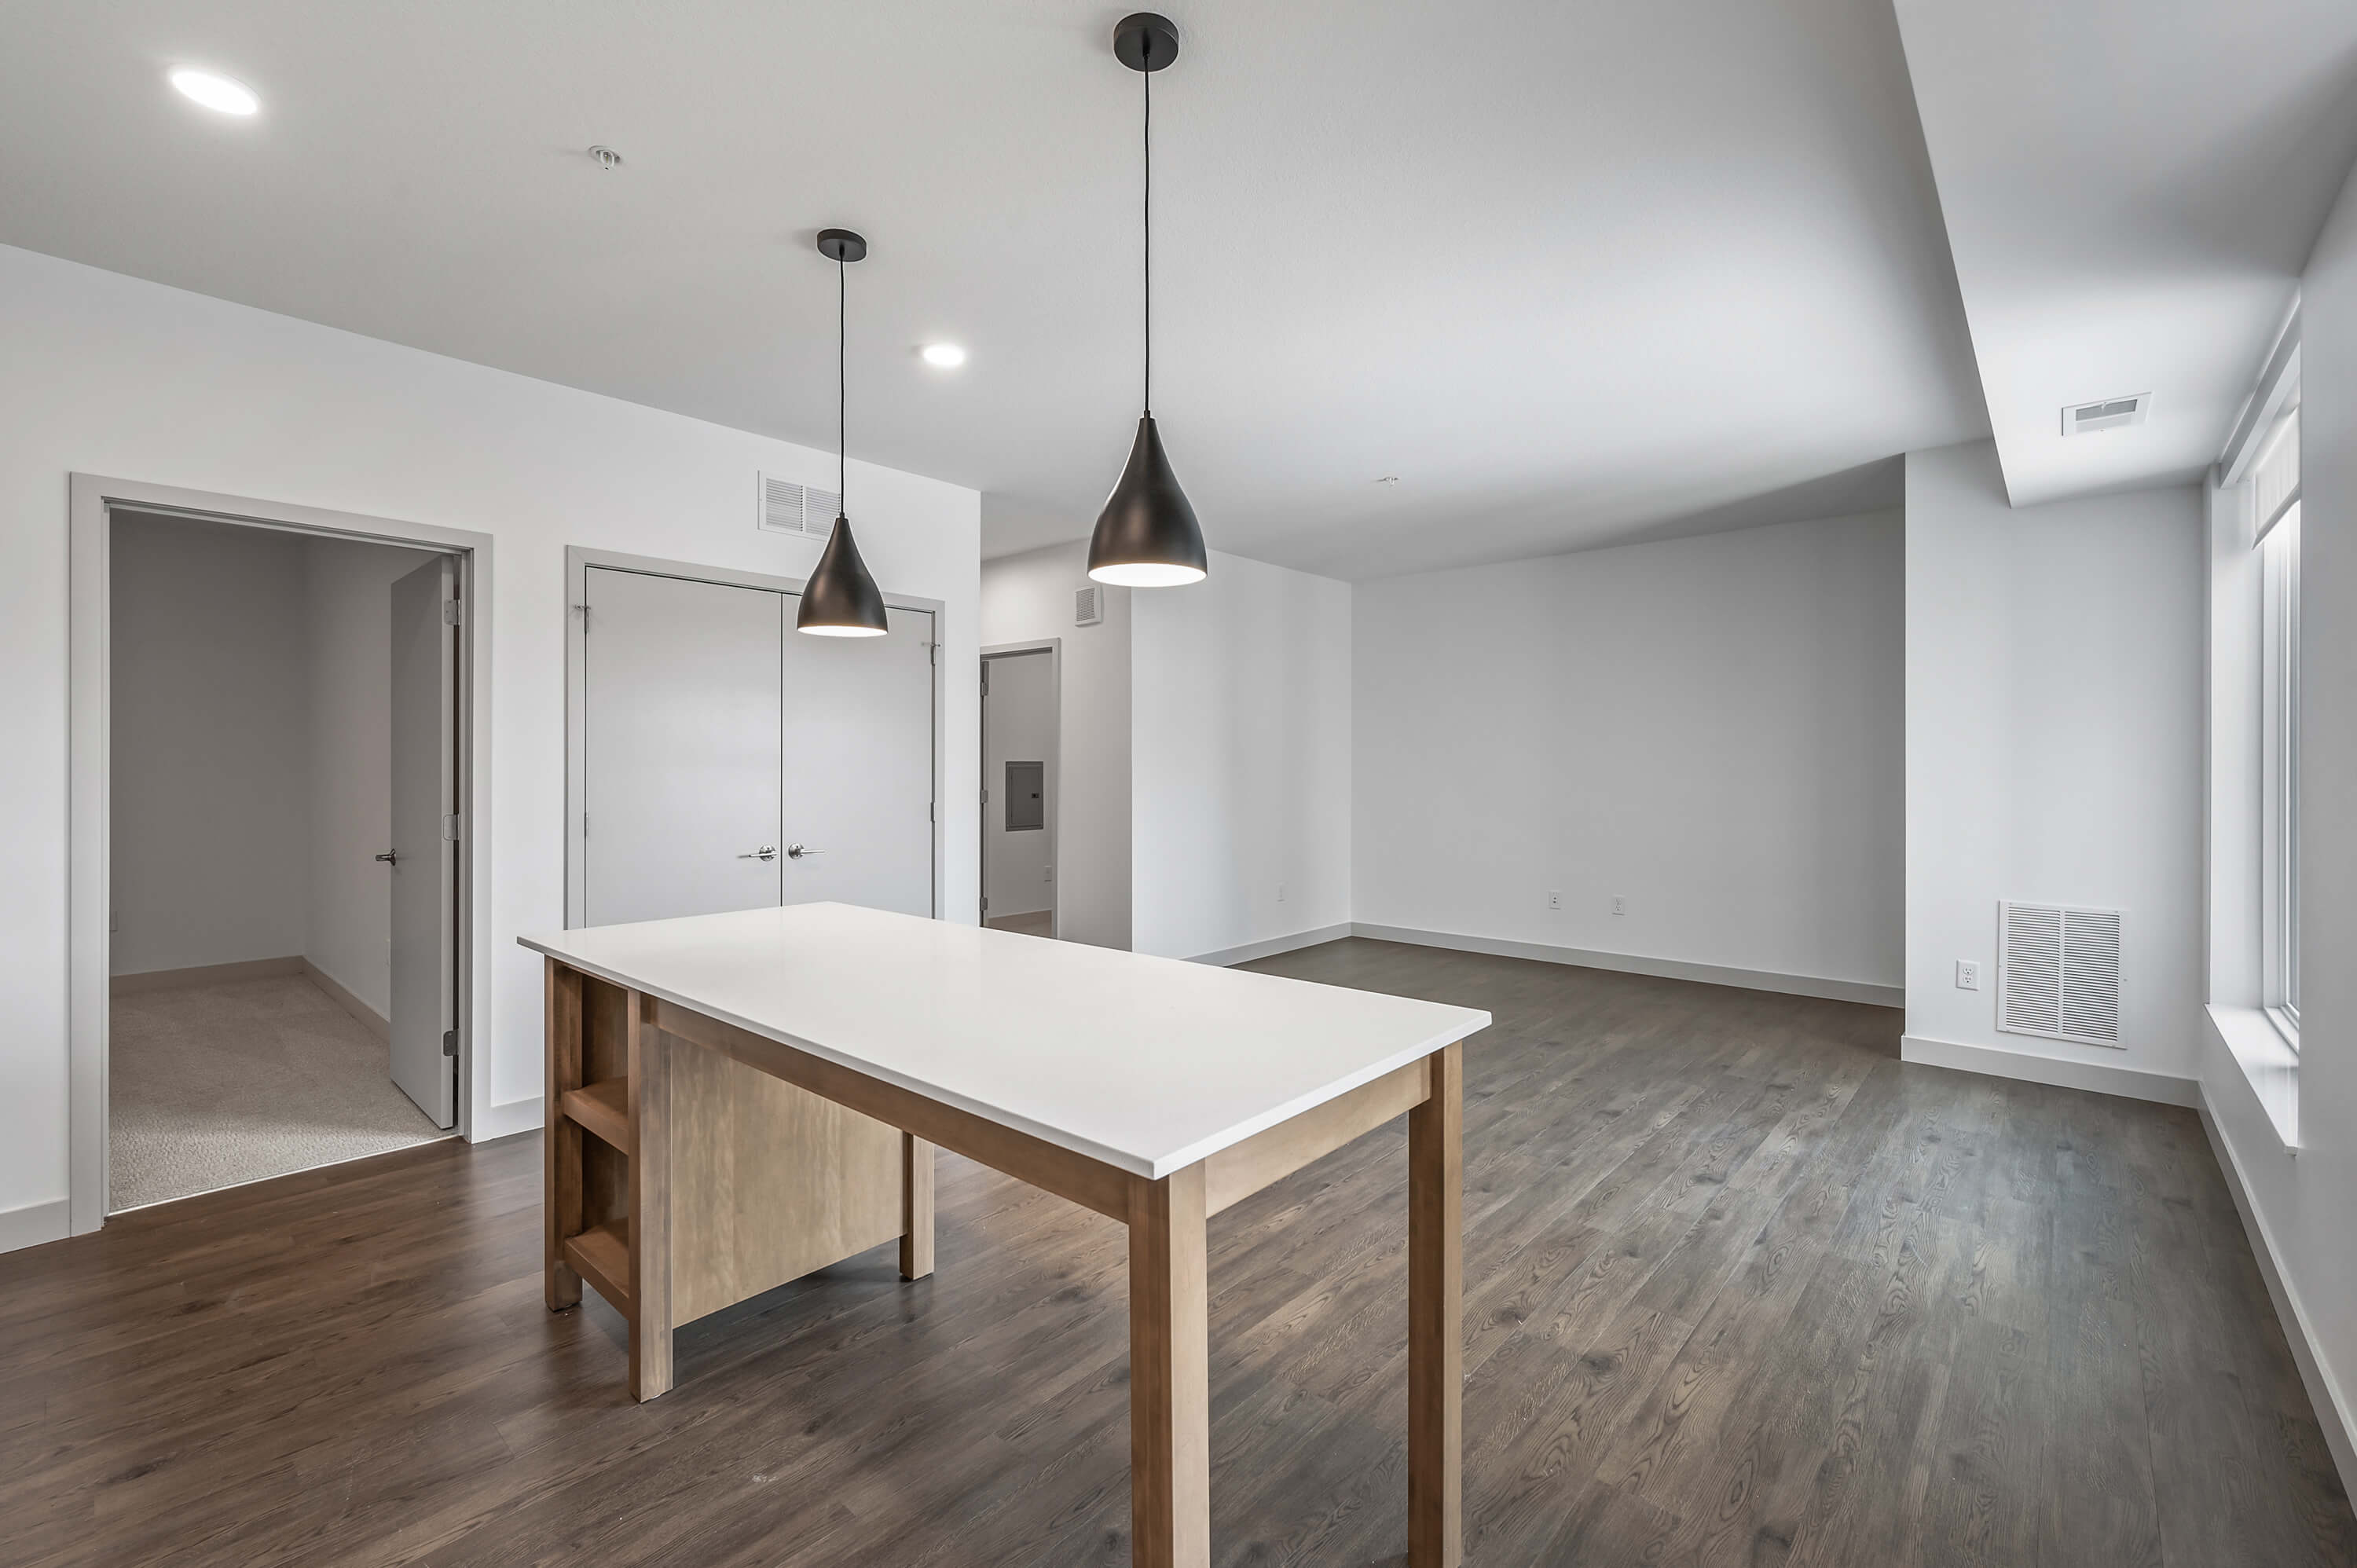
pixel 577 561
pixel 89 592
pixel 1053 647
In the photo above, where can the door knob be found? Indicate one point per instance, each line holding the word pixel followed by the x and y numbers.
pixel 767 852
pixel 391 857
pixel 795 851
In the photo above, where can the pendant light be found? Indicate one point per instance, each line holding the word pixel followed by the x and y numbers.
pixel 840 599
pixel 1147 537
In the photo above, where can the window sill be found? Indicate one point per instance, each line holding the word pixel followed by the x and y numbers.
pixel 2269 1061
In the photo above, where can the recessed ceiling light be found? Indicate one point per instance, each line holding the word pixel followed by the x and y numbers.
pixel 216 93
pixel 948 356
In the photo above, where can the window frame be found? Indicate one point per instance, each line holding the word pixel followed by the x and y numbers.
pixel 2279 552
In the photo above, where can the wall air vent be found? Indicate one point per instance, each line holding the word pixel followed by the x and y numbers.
pixel 2111 414
pixel 2058 972
pixel 1088 604
pixel 798 509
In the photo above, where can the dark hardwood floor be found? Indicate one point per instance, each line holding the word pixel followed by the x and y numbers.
pixel 1740 1289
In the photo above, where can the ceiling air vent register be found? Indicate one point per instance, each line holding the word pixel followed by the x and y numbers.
pixel 2058 972
pixel 800 510
pixel 2111 414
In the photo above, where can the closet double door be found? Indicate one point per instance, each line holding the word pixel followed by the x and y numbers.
pixel 730 762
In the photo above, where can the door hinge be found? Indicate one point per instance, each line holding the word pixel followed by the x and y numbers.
pixel 583 611
pixel 450 612
pixel 449 1042
pixel 450 828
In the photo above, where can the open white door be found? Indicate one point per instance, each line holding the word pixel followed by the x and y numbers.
pixel 425 838
pixel 859 768
pixel 680 734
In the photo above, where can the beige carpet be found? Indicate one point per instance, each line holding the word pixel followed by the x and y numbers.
pixel 215 1085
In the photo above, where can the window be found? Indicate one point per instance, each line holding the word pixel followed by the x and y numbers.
pixel 2276 487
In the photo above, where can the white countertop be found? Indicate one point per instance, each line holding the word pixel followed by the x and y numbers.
pixel 1149 1064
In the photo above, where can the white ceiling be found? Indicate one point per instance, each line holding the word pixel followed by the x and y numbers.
pixel 1576 272
pixel 2132 190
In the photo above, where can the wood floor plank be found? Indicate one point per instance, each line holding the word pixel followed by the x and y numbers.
pixel 1741 1288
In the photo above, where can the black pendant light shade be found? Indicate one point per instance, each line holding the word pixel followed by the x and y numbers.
pixel 840 599
pixel 1147 537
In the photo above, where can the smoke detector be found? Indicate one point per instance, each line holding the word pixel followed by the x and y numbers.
pixel 2108 413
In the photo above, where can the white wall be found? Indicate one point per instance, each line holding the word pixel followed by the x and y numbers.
pixel 211 760
pixel 2303 1203
pixel 2054 700
pixel 106 374
pixel 1709 729
pixel 347 928
pixel 1027 598
pixel 1018 726
pixel 1241 758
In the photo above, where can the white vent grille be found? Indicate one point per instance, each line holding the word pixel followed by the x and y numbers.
pixel 798 509
pixel 2059 973
pixel 2112 412
pixel 1088 604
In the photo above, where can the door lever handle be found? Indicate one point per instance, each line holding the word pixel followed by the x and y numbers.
pixel 391 857
pixel 767 852
pixel 795 851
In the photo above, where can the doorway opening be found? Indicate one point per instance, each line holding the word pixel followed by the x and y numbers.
pixel 1021 688
pixel 271 871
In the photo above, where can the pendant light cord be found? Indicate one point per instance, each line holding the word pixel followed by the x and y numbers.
pixel 1149 75
pixel 842 391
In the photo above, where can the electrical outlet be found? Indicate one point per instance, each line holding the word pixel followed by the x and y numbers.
pixel 1968 974
pixel 1554 901
pixel 1620 905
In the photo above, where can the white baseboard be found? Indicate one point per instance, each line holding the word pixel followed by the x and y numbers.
pixel 1632 964
pixel 504 1121
pixel 36 1223
pixel 1273 946
pixel 203 975
pixel 2332 1408
pixel 2100 1077
pixel 376 1023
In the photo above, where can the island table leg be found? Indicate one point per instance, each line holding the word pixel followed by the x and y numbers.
pixel 649 1283
pixel 915 1207
pixel 1169 1374
pixel 561 1197
pixel 1436 1315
